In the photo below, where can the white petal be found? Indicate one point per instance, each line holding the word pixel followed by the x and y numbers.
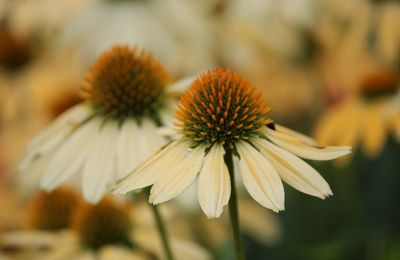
pixel 177 177
pixel 153 169
pixel 306 151
pixel 28 239
pixel 100 167
pixel 181 85
pixel 29 180
pixel 150 141
pixel 75 115
pixel 128 151
pixel 301 137
pixel 69 158
pixel 295 171
pixel 214 185
pixel 260 178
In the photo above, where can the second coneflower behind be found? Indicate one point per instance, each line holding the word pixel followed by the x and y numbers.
pixel 127 96
pixel 221 115
pixel 363 118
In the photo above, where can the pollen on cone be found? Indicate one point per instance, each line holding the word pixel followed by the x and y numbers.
pixel 102 224
pixel 221 106
pixel 126 82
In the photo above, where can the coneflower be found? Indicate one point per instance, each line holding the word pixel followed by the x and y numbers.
pixel 127 97
pixel 220 120
pixel 365 118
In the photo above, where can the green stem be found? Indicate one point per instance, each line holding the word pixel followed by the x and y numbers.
pixel 233 208
pixel 163 232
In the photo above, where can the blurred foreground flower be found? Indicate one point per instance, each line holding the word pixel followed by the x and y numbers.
pixel 363 117
pixel 220 116
pixel 128 95
pixel 64 227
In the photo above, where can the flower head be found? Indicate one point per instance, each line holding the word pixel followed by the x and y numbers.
pixel 102 224
pixel 221 112
pixel 379 83
pixel 127 82
pixel 221 107
pixel 52 210
pixel 128 96
pixel 15 53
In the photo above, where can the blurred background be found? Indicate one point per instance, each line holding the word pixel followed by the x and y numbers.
pixel 329 69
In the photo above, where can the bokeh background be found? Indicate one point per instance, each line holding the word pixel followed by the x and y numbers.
pixel 328 68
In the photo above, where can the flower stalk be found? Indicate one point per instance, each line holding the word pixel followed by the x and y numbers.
pixel 233 208
pixel 162 231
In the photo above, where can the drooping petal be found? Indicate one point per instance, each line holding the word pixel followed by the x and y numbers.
pixel 152 170
pixel 28 239
pixel 294 134
pixel 214 185
pixel 150 140
pixel 70 157
pixel 294 171
pixel 260 178
pixel 72 116
pixel 29 179
pixel 330 128
pixel 177 177
pixel 306 151
pixel 374 136
pixel 100 167
pixel 128 151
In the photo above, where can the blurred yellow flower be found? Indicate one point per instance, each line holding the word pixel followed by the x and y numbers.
pixel 362 117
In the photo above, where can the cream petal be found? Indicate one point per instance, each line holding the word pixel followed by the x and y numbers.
pixel 128 151
pixel 29 179
pixel 46 145
pixel 294 171
pixel 75 115
pixel 294 134
pixel 306 151
pixel 100 166
pixel 260 178
pixel 111 252
pixel 177 177
pixel 181 85
pixel 71 156
pixel 214 185
pixel 152 169
pixel 374 136
pixel 28 239
pixel 150 141
pixel 66 246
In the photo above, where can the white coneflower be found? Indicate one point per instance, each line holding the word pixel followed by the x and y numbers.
pixel 219 116
pixel 110 229
pixel 128 95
